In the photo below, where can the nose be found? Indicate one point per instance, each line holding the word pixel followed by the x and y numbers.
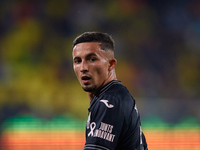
pixel 83 66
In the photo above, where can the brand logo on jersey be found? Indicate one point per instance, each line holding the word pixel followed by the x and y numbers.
pixel 106 103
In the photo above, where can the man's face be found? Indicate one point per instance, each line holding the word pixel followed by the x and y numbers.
pixel 91 65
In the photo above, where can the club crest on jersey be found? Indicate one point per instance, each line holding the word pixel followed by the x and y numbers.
pixel 106 103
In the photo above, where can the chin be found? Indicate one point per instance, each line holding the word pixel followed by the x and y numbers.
pixel 89 89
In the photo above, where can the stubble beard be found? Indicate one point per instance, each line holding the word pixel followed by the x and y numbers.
pixel 89 89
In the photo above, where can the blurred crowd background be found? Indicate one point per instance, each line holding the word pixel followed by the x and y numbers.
pixel 157 48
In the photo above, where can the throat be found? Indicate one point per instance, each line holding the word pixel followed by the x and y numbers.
pixel 90 95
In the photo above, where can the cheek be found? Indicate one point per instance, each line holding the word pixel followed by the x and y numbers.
pixel 102 71
pixel 76 71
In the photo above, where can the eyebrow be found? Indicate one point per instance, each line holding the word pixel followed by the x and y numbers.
pixel 89 55
pixel 76 58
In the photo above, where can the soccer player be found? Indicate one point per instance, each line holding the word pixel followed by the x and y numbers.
pixel 113 122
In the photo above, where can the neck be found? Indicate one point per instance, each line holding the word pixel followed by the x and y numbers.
pixel 90 95
pixel 112 77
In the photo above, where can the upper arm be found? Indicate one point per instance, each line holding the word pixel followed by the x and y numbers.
pixel 105 124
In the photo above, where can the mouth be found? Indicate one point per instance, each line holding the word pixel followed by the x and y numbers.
pixel 85 79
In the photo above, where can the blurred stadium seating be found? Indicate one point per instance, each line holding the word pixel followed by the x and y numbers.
pixel 157 45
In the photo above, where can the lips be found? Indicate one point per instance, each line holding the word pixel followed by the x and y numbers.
pixel 85 79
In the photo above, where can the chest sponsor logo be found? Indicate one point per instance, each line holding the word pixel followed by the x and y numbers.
pixel 106 103
pixel 104 131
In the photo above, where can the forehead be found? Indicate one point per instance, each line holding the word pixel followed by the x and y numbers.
pixel 82 49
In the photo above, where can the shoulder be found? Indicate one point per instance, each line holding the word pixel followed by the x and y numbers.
pixel 120 92
pixel 120 95
pixel 122 103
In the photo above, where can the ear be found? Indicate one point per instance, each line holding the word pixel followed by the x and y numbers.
pixel 112 64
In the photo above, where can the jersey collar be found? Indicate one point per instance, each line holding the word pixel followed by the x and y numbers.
pixel 103 90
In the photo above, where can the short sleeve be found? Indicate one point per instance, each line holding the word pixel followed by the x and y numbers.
pixel 104 124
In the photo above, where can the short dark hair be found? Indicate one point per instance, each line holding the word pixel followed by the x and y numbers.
pixel 105 40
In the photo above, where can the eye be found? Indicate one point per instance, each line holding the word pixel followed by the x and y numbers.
pixel 92 59
pixel 77 61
